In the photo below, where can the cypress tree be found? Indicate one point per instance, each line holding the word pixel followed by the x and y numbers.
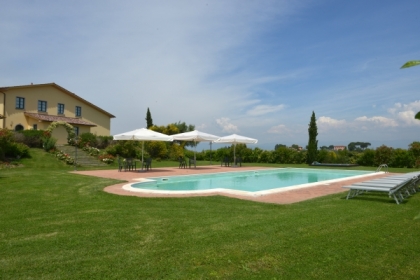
pixel 312 143
pixel 149 121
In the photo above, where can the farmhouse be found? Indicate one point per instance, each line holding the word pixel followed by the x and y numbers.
pixel 37 106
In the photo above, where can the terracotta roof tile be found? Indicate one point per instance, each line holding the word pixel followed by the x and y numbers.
pixel 51 118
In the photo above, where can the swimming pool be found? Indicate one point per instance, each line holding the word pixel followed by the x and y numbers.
pixel 255 182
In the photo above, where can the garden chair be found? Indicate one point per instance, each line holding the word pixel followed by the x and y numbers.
pixel 225 162
pixel 191 161
pixel 130 164
pixel 147 164
pixel 238 161
pixel 121 164
pixel 182 162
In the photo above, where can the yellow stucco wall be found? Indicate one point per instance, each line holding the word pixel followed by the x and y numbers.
pixel 52 95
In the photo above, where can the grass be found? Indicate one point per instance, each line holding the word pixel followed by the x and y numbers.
pixel 57 225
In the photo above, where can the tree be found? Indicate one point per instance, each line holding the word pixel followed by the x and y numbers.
pixel 312 143
pixel 183 127
pixel 383 155
pixel 149 120
pixel 411 64
pixel 358 146
pixel 364 145
pixel 295 146
pixel 277 146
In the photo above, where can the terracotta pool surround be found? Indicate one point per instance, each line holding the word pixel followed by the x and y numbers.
pixel 280 197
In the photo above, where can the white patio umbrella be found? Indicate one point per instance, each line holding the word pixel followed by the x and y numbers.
pixel 196 136
pixel 235 139
pixel 143 134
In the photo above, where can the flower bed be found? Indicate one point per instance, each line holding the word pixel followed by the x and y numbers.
pixel 64 157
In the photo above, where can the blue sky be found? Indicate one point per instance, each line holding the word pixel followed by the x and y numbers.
pixel 254 68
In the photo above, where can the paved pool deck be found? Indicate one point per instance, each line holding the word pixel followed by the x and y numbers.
pixel 279 197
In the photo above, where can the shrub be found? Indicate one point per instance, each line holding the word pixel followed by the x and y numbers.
pixel 283 155
pixel 5 136
pixel 367 158
pixel 9 148
pixel 401 158
pixel 414 149
pixel 176 151
pixel 220 153
pixel 103 141
pixel 87 139
pixel 266 157
pixel 106 158
pixel 92 151
pixel 157 149
pixel 31 138
pixel 49 143
pixel 126 149
pixel 383 155
pixel 16 150
pixel 64 157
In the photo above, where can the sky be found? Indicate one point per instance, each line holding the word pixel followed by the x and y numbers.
pixel 254 68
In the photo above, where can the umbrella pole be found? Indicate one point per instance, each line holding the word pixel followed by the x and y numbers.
pixel 142 152
pixel 195 151
pixel 234 154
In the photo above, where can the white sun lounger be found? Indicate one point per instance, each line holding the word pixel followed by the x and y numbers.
pixel 398 187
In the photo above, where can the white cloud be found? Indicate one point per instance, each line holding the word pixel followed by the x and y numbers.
pixel 202 126
pixel 195 61
pixel 405 113
pixel 327 123
pixel 226 125
pixel 264 109
pixel 378 121
pixel 279 129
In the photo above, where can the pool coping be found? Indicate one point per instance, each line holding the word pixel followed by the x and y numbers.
pixel 130 188
pixel 283 196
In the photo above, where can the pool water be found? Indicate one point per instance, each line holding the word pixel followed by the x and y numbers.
pixel 249 181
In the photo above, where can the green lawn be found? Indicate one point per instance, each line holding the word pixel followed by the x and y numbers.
pixel 57 225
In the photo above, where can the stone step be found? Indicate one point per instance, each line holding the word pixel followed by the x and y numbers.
pixel 83 158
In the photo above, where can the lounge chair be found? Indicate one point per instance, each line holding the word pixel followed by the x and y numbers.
pixel 398 187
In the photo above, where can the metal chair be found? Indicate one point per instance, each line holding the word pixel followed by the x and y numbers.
pixel 192 161
pixel 238 161
pixel 225 161
pixel 182 162
pixel 147 164
pixel 130 164
pixel 121 164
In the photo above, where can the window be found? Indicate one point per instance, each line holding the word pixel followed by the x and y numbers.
pixel 35 127
pixel 19 127
pixel 60 109
pixel 20 103
pixel 42 106
pixel 78 111
pixel 76 130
